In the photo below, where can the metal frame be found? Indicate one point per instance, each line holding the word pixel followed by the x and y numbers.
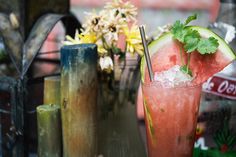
pixel 10 85
pixel 24 27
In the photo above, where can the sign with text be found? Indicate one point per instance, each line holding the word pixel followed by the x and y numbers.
pixel 221 85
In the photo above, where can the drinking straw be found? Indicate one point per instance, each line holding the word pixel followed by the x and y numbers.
pixel 146 52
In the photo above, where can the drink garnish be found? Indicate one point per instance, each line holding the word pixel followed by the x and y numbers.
pixel 192 41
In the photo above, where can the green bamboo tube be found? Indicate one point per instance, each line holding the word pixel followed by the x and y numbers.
pixel 52 94
pixel 78 100
pixel 49 131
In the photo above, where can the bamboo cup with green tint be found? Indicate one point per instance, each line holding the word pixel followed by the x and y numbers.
pixel 49 131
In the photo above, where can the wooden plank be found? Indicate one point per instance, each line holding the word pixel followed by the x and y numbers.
pixel 52 94
pixel 78 100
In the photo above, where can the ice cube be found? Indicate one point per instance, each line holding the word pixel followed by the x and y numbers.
pixel 172 77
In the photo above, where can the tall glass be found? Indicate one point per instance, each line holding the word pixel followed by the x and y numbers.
pixel 171 118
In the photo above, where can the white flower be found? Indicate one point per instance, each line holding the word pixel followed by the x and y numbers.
pixel 125 10
pixel 112 28
pixel 94 22
pixel 106 63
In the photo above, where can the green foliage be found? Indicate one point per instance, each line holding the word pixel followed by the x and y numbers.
pixel 3 55
pixel 179 31
pixel 212 153
pixel 225 138
pixel 192 41
pixel 185 69
pixel 116 50
pixel 190 18
pixel 119 52
pixel 207 46
pixel 191 38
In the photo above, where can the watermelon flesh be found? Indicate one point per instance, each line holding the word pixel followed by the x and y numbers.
pixel 167 54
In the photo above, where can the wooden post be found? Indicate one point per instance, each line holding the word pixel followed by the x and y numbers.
pixel 78 100
pixel 52 94
pixel 49 131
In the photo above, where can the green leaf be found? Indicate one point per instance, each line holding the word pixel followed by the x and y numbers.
pixel 190 18
pixel 116 50
pixel 3 55
pixel 217 141
pixel 179 31
pixel 186 70
pixel 121 56
pixel 232 140
pixel 191 40
pixel 207 46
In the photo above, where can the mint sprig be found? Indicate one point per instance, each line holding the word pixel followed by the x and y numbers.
pixel 192 41
pixel 190 18
pixel 207 46
pixel 186 70
pixel 179 31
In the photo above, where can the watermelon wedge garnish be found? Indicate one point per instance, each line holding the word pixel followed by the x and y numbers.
pixel 165 53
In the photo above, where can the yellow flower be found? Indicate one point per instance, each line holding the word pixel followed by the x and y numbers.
pixel 133 39
pixel 80 38
pixel 71 41
pixel 87 38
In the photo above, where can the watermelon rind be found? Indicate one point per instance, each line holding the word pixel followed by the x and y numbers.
pixel 168 37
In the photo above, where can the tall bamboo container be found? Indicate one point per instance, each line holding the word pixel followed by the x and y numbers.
pixel 49 130
pixel 78 100
pixel 52 93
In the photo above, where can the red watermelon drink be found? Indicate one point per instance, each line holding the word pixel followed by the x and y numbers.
pixel 171 117
pixel 182 60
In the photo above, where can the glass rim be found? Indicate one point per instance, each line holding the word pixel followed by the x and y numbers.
pixel 159 84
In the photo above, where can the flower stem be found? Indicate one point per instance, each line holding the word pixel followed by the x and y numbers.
pixel 188 62
pixel 181 55
pixel 185 67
